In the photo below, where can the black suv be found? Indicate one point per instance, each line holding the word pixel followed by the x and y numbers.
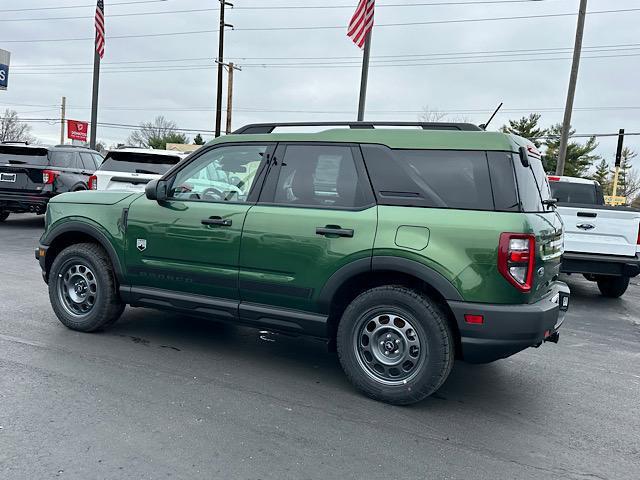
pixel 30 175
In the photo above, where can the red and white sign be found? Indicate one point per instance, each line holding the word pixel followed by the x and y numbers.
pixel 77 130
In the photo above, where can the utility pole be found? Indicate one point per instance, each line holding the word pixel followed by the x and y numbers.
pixel 231 67
pixel 573 80
pixel 223 4
pixel 63 109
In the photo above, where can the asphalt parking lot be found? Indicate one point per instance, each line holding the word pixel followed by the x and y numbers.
pixel 166 396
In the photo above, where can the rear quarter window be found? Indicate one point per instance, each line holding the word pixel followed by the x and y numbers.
pixel 430 178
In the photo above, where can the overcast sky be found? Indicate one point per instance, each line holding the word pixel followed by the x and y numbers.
pixel 181 84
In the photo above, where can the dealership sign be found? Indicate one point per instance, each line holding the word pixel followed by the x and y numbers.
pixel 4 69
pixel 77 130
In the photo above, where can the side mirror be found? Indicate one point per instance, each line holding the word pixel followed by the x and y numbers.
pixel 524 156
pixel 156 190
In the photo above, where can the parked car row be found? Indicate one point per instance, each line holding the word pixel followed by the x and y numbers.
pixel 31 175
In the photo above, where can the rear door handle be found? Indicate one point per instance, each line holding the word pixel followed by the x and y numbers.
pixel 336 231
pixel 223 222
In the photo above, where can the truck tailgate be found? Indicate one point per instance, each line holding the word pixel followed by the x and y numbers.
pixel 603 230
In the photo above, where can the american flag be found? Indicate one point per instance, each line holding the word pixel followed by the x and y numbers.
pixel 362 22
pixel 100 28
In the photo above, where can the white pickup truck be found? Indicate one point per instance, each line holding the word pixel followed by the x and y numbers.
pixel 600 241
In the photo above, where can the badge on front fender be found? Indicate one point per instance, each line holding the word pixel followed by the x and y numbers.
pixel 141 244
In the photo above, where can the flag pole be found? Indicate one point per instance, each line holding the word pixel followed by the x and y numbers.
pixel 365 76
pixel 94 99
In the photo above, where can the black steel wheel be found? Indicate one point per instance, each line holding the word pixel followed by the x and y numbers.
pixel 82 288
pixel 395 344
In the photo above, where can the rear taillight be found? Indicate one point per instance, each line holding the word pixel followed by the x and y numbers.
pixel 93 182
pixel 638 241
pixel 516 259
pixel 48 176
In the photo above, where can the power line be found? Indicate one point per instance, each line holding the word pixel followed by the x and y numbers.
pixel 527 52
pixel 205 131
pixel 65 7
pixel 331 27
pixel 333 65
pixel 263 7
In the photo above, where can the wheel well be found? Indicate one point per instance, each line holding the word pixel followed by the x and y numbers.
pixel 365 281
pixel 64 240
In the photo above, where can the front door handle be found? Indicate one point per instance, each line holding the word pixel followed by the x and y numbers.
pixel 331 230
pixel 223 222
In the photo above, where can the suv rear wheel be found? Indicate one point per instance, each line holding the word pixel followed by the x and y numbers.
pixel 82 288
pixel 395 345
pixel 612 287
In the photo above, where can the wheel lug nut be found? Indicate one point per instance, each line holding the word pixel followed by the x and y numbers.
pixel 382 343
pixel 388 335
pixel 397 341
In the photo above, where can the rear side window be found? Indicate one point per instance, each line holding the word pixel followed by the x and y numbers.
pixel 430 178
pixel 87 161
pixel 320 175
pixel 65 160
pixel 566 192
pixel 97 159
pixel 134 162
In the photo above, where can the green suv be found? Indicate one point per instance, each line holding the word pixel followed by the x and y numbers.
pixel 404 248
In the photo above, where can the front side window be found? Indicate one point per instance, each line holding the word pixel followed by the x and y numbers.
pixel 320 176
pixel 224 174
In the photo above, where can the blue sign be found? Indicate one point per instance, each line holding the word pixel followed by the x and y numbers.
pixel 4 69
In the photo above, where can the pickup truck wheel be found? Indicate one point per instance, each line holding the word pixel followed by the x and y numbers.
pixel 613 287
pixel 82 288
pixel 395 345
pixel 4 216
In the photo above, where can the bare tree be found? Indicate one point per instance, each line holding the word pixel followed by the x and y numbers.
pixel 432 116
pixel 12 129
pixel 157 134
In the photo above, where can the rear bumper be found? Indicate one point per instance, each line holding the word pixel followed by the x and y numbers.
pixel 509 329
pixel 23 202
pixel 595 264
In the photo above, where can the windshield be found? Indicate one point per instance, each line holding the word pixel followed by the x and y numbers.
pixel 138 162
pixel 567 192
pixel 23 155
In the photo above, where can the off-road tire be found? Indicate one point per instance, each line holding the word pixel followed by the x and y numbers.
pixel 431 328
pixel 612 287
pixel 107 307
pixel 3 216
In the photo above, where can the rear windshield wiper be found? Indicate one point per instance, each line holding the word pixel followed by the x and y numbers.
pixel 17 162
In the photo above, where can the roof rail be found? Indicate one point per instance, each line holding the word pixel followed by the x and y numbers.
pixel 257 128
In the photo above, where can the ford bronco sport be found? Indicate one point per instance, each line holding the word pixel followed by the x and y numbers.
pixel 404 248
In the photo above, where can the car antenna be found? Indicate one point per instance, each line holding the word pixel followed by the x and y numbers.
pixel 484 126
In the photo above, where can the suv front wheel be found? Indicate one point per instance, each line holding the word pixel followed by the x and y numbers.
pixel 395 345
pixel 82 288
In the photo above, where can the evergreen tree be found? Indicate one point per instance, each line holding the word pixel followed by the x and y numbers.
pixel 198 140
pixel 526 127
pixel 602 176
pixel 580 157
